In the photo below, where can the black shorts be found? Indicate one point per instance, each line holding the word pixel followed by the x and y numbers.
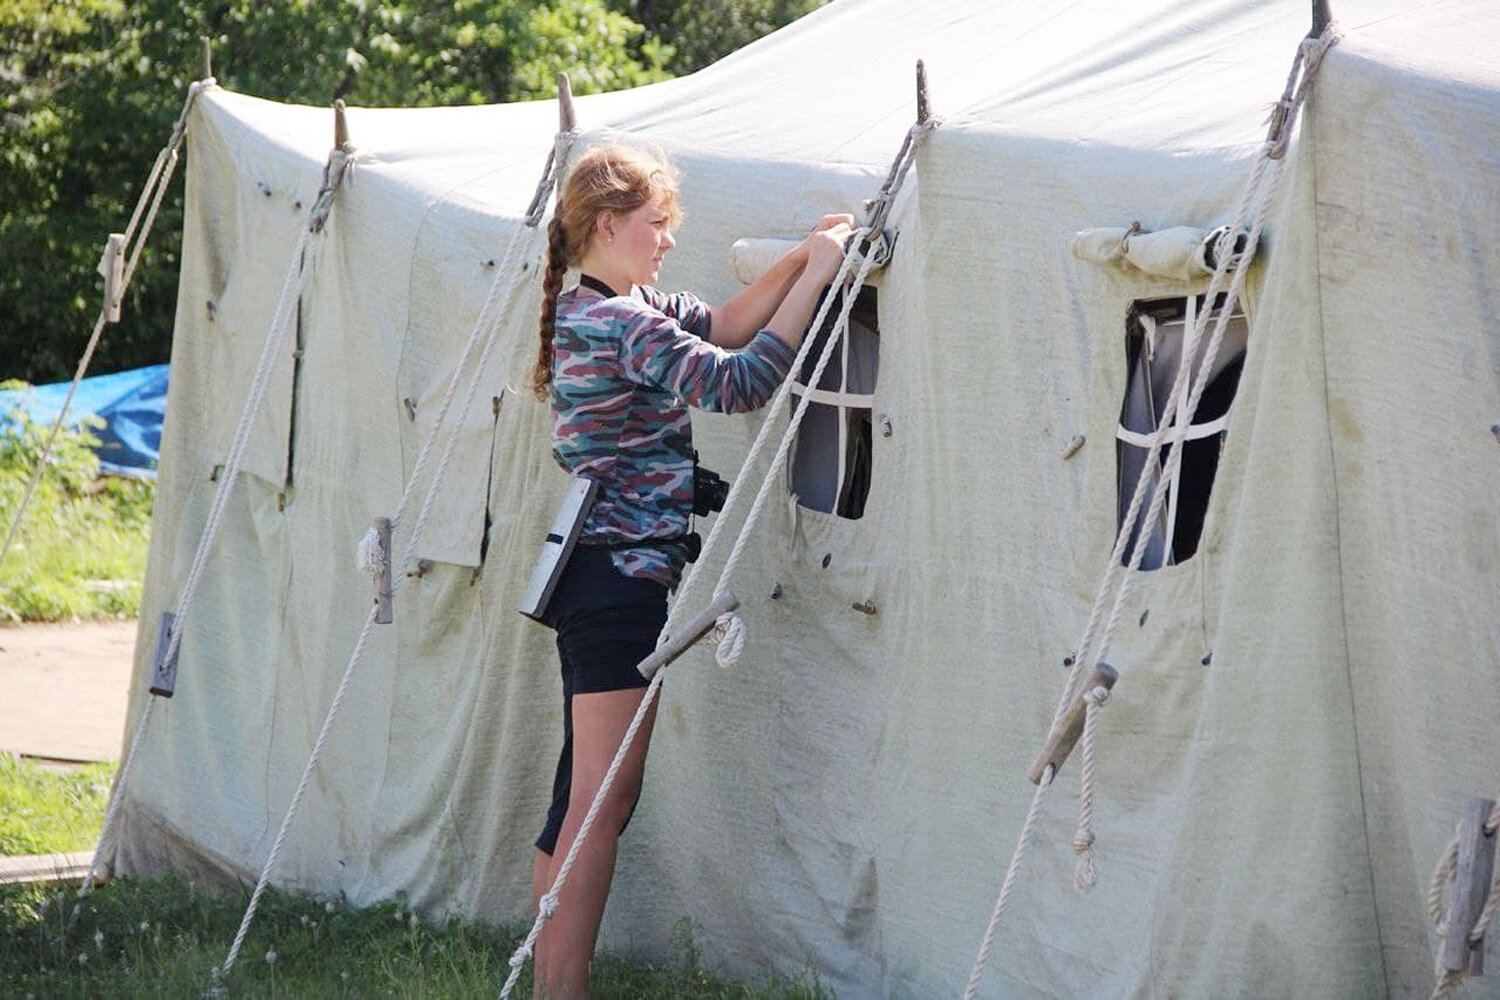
pixel 606 624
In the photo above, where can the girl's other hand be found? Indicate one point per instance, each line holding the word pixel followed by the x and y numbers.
pixel 825 249
pixel 829 221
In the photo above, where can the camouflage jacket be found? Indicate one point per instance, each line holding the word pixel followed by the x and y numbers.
pixel 625 369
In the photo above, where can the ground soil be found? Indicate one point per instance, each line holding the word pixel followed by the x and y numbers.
pixel 63 689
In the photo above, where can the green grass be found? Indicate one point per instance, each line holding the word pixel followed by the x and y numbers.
pixel 81 549
pixel 42 811
pixel 163 938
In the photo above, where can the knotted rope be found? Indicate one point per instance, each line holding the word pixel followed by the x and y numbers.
pixel 1447 980
pixel 731 626
pixel 502 294
pixel 299 269
pixel 1191 377
pixel 149 202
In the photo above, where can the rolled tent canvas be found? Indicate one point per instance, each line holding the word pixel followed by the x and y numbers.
pixel 1304 704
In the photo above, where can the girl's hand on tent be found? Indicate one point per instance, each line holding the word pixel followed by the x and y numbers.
pixel 829 221
pixel 825 251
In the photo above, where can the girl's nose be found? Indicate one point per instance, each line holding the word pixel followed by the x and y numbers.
pixel 668 241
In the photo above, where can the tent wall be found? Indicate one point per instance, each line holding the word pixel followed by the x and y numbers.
pixel 1303 704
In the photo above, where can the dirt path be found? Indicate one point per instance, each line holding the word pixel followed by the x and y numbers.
pixel 63 689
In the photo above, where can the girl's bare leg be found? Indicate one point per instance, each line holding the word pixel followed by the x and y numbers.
pixel 566 945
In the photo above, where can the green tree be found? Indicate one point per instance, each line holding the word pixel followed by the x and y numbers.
pixel 89 90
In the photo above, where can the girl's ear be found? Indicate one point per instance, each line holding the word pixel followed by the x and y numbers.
pixel 604 226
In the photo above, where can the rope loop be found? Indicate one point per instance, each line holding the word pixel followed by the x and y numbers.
pixel 547 905
pixel 729 636
pixel 521 957
pixel 368 555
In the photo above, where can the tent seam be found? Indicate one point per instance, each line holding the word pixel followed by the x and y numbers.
pixel 1338 533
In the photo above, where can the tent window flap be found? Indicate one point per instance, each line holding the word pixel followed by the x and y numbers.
pixel 1156 335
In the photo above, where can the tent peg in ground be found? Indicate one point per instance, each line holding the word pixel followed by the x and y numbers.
pixel 205 58
pixel 1065 734
pixel 164 671
pixel 1471 887
pixel 384 595
pixel 340 126
pixel 566 121
pixel 694 630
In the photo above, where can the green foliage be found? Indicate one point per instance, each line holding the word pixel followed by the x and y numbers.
pixel 81 550
pixel 89 90
pixel 163 937
pixel 43 812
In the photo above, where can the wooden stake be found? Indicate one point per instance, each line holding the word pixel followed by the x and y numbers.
pixel 691 633
pixel 340 125
pixel 1062 738
pixel 205 58
pixel 384 597
pixel 924 109
pixel 1471 886
pixel 1321 15
pixel 566 122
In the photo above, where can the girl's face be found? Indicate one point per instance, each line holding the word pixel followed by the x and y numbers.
pixel 635 242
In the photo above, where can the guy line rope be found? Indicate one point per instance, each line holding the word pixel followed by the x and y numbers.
pixel 157 183
pixel 508 278
pixel 730 631
pixel 1447 980
pixel 299 269
pixel 1255 203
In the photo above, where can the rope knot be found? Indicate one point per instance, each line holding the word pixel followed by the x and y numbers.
pixel 1083 840
pixel 547 905
pixel 729 636
pixel 1098 696
pixel 521 957
pixel 368 555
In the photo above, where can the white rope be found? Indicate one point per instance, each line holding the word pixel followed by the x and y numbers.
pixel 729 636
pixel 549 900
pixel 501 294
pixel 1254 203
pixel 1085 876
pixel 157 183
pixel 1011 871
pixel 733 636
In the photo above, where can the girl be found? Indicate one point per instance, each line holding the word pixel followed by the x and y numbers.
pixel 620 363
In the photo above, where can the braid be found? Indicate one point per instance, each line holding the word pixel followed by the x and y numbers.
pixel 557 266
pixel 614 178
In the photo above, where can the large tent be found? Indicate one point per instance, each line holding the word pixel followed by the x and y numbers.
pixel 1305 701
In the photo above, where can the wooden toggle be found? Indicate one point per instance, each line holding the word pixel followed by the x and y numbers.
pixel 1471 887
pixel 112 268
pixel 1062 738
pixel 694 630
pixel 384 596
pixel 164 673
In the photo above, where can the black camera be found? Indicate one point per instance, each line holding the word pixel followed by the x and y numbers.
pixel 710 490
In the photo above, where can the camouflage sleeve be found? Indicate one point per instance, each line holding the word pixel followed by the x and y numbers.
pixel 656 350
pixel 690 312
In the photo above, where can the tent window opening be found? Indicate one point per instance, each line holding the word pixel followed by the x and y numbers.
pixel 831 461
pixel 1155 335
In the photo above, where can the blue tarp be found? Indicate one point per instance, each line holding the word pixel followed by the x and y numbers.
pixel 131 404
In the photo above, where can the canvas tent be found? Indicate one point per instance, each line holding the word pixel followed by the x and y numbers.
pixel 1305 701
